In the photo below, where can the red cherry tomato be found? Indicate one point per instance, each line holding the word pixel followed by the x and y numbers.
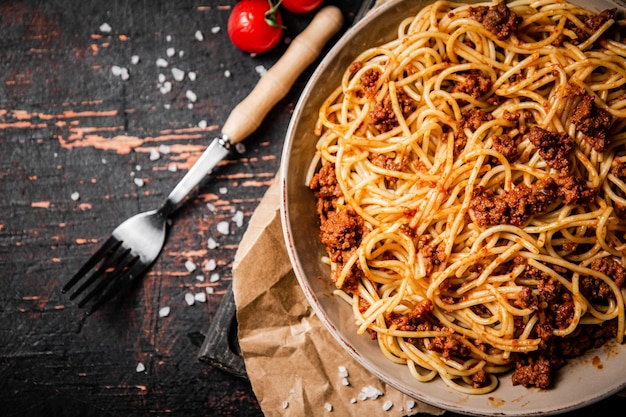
pixel 251 30
pixel 301 6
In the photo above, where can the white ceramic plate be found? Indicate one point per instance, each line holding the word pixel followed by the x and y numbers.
pixel 583 381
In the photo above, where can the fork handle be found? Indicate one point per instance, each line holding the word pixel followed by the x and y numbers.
pixel 278 80
pixel 271 88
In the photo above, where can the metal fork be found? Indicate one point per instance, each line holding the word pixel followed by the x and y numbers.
pixel 136 243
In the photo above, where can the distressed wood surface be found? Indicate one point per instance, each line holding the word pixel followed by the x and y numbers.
pixel 83 148
pixel 79 155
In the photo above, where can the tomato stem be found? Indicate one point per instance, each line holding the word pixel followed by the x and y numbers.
pixel 270 15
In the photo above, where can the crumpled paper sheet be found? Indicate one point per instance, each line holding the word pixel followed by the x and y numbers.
pixel 291 359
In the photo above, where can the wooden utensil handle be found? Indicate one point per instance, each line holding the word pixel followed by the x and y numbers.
pixel 278 80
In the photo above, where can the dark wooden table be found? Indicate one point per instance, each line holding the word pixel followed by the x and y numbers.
pixel 91 134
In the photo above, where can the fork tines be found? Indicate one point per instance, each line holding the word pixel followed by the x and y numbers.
pixel 116 268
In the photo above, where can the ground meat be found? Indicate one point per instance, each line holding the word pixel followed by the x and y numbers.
pixel 479 379
pixel 593 122
pixel 341 231
pixel 397 162
pixel 449 347
pixel 369 80
pixel 517 205
pixel 573 190
pixel 512 207
pixel 526 299
pixel 471 120
pixel 506 146
pixel 611 268
pixel 420 314
pixel 595 21
pixel 619 169
pixel 475 84
pixel 382 116
pixel 433 255
pixel 532 371
pixel 351 280
pixel 355 67
pixel 584 338
pixel 326 189
pixel 498 19
pixel 553 147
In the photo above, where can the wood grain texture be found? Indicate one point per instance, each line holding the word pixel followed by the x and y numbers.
pixel 79 156
pixel 79 147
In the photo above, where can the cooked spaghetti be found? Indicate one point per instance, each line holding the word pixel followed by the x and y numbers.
pixel 470 178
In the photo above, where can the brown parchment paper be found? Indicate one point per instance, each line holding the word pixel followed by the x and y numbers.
pixel 291 359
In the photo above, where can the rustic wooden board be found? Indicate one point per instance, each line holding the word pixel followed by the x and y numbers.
pixel 71 127
pixel 77 142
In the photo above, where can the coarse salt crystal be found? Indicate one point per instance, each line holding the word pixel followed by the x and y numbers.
pixel 200 297
pixel 170 52
pixel 328 406
pixel 75 196
pixel 210 206
pixel 134 59
pixel 371 392
pixel 200 278
pixel 216 29
pixel 210 265
pixel 140 367
pixel 154 155
pixel 202 124
pixel 387 405
pixel 172 167
pixel 125 74
pixel 212 244
pixel 105 27
pixel 214 278
pixel 199 36
pixel 178 74
pixel 161 78
pixel 139 182
pixel 192 75
pixel 190 266
pixel 190 299
pixel 166 87
pixel 161 63
pixel 227 74
pixel 167 106
pixel 138 167
pixel 353 400
pixel 181 53
pixel 190 106
pixel 191 95
pixel 116 70
pixel 410 404
pixel 345 382
pixel 209 290
pixel 238 218
pixel 223 190
pixel 164 149
pixel 285 404
pixel 260 69
pixel 223 228
pixel 343 372
pixel 164 311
